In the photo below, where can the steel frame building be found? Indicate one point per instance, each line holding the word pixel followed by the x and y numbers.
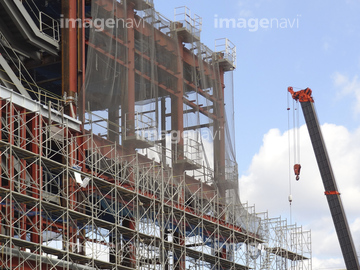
pixel 81 189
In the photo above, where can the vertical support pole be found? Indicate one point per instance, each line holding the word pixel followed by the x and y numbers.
pixel 113 248
pixel 128 91
pixel 72 192
pixel 177 126
pixel 219 148
pixel 66 203
pixel 69 56
pixel 130 255
pixel 81 159
pixel 69 188
pixel 219 135
pixel 81 89
pixel 35 174
pixel 81 60
pixel 22 185
pixel 113 129
pixel 128 117
pixel 177 113
pixel 1 157
pixel 163 130
pixel 10 209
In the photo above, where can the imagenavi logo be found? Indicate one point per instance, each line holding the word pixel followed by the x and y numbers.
pixel 254 24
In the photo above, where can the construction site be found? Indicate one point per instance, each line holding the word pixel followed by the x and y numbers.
pixel 118 145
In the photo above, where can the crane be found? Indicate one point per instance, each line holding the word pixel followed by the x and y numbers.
pixel 331 191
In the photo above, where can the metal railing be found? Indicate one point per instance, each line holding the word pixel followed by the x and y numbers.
pixel 156 19
pixel 192 23
pixel 27 81
pixel 190 150
pixel 231 171
pixel 46 24
pixel 23 74
pixel 225 49
pixel 143 126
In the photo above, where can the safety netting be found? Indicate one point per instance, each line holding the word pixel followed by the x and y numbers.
pixel 154 88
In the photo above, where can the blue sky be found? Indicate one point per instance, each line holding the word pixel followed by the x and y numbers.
pixel 321 53
pixel 269 60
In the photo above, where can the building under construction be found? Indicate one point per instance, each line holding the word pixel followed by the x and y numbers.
pixel 117 145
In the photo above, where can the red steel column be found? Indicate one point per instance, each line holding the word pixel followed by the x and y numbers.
pixel 81 59
pixel 1 126
pixel 81 90
pixel 36 174
pixel 177 113
pixel 219 146
pixel 128 115
pixel 9 205
pixel 177 127
pixel 128 103
pixel 80 140
pixel 72 186
pixel 69 55
pixel 72 64
pixel 22 224
pixel 219 134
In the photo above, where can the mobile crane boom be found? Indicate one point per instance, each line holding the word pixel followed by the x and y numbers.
pixel 331 191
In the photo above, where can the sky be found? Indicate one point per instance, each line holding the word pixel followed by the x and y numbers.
pixel 317 48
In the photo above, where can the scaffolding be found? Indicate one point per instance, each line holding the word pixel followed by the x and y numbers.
pixel 125 211
pixel 115 187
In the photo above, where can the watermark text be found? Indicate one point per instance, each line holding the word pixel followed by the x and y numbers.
pixel 254 24
pixel 100 24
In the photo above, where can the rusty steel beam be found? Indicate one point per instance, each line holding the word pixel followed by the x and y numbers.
pixel 69 57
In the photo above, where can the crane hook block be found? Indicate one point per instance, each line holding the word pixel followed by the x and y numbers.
pixel 297 168
pixel 302 95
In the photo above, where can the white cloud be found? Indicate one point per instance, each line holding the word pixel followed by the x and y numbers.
pixel 267 185
pixel 246 13
pixel 351 2
pixel 326 46
pixel 348 86
pixel 327 264
pixel 247 7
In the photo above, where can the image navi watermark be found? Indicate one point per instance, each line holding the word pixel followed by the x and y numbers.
pixel 254 24
pixel 175 136
pixel 99 24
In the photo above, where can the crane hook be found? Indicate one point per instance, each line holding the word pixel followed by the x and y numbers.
pixel 297 168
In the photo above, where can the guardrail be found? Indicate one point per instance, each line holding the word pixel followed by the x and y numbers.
pixel 46 24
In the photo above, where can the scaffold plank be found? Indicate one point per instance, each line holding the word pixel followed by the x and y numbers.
pixel 287 254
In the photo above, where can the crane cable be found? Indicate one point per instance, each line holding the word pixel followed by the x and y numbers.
pixel 296 132
pixel 296 149
pixel 289 153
